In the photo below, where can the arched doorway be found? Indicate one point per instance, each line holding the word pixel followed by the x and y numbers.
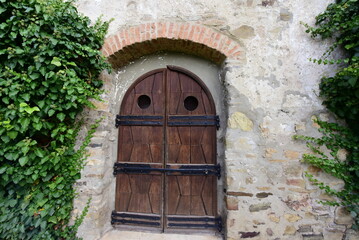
pixel 166 166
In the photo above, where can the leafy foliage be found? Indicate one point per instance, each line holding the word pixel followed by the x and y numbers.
pixel 341 96
pixel 49 68
pixel 341 92
pixel 336 138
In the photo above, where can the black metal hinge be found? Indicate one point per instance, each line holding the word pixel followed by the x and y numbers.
pixel 138 120
pixel 138 219
pixel 172 120
pixel 194 121
pixel 183 170
pixel 196 222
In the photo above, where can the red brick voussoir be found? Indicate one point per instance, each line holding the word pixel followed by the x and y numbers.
pixel 131 43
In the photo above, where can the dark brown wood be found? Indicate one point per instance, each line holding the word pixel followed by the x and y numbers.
pixel 156 193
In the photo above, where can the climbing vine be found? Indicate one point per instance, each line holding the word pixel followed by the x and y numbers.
pixel 49 67
pixel 340 21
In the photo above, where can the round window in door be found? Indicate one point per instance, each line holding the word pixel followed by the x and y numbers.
pixel 166 169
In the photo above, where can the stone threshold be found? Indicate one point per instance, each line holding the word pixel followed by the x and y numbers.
pixel 131 235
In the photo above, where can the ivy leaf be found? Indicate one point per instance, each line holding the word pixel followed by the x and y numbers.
pixel 41 103
pixel 2 10
pixel 61 116
pixel 43 225
pixel 352 81
pixel 2 169
pixel 42 201
pixel 53 219
pixel 12 202
pixel 34 76
pixel 31 110
pixel 24 123
pixel 23 160
pixel 39 153
pixel 10 156
pixel 51 112
pixel 12 134
pixel 26 96
pixel 56 61
pixel 37 125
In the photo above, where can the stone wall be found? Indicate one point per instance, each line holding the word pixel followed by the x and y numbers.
pixel 270 93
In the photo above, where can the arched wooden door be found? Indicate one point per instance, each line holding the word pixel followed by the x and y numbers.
pixel 166 168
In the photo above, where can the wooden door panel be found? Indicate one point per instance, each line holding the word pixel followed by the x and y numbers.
pixel 208 107
pixel 182 86
pixel 167 128
pixel 123 188
pixel 197 156
pixel 191 145
pixel 191 195
pixel 184 134
pixel 141 144
pixel 139 193
pixel 127 108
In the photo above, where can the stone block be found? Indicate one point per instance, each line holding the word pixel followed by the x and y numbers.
pixel 273 218
pixel 292 217
pixel 313 237
pixel 314 170
pixel 244 31
pixel 342 216
pixel 296 182
pixel 239 120
pixel 299 127
pixel 232 203
pixel 352 235
pixel 240 194
pixel 263 194
pixel 259 207
pixel 269 152
pixel 293 170
pixel 248 234
pixel 290 230
pixel 305 228
pixel 285 15
pixel 269 232
pixel 292 155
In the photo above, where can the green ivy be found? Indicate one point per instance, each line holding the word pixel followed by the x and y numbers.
pixel 340 21
pixel 49 69
pixel 336 138
pixel 341 91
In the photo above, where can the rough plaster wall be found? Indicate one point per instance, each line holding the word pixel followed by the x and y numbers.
pixel 271 95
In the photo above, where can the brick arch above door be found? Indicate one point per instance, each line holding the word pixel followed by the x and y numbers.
pixel 134 42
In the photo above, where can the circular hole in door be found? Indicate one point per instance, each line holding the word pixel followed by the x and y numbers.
pixel 144 101
pixel 190 103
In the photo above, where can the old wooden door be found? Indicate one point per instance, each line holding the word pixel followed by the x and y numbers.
pixel 166 168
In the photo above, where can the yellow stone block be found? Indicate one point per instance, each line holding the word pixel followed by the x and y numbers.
pixel 290 230
pixel 274 218
pixel 239 120
pixel 292 217
pixel 291 154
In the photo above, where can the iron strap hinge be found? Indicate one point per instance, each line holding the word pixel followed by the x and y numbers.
pixel 194 120
pixel 203 120
pixel 138 120
pixel 126 218
pixel 183 170
pixel 196 222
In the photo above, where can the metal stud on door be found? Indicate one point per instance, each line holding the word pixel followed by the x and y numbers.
pixel 166 168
